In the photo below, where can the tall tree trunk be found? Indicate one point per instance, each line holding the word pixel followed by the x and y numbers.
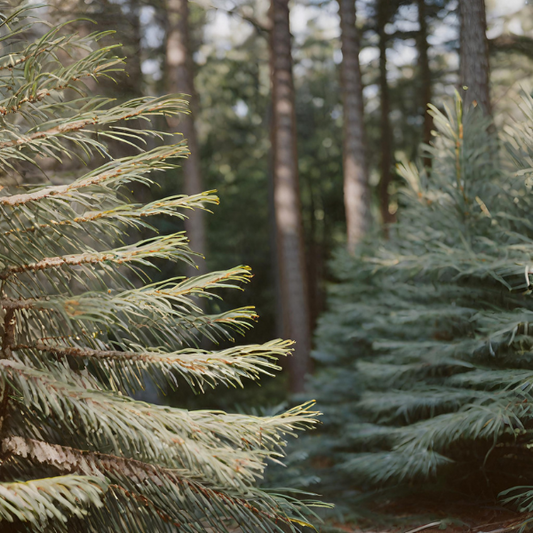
pixel 273 239
pixel 474 54
pixel 286 195
pixel 383 17
pixel 355 170
pixel 180 79
pixel 425 74
pixel 315 256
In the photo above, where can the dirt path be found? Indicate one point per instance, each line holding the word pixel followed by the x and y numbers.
pixel 430 517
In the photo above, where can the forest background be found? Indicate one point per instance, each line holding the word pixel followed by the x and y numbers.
pixel 299 127
pixel 219 53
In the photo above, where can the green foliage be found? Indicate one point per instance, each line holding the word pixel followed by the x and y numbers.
pixel 82 326
pixel 426 353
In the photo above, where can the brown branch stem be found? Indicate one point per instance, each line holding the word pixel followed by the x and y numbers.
pixel 8 337
pixel 121 169
pixel 55 262
pixel 57 130
pixel 8 340
pixel 12 304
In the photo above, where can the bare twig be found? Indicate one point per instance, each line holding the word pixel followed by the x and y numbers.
pixel 427 526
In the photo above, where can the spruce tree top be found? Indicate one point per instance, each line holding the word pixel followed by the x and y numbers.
pixel 77 453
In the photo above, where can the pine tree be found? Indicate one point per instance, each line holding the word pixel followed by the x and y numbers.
pixel 474 54
pixel 287 203
pixel 426 352
pixel 78 336
pixel 384 10
pixel 354 160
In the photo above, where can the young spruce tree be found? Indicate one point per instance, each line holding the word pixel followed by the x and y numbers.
pixel 77 335
pixel 427 350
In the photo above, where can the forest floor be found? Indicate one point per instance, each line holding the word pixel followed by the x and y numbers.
pixel 410 516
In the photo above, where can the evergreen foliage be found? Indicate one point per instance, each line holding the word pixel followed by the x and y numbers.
pixel 426 353
pixel 82 325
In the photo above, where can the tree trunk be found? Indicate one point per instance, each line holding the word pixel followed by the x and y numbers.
pixel 315 258
pixel 273 239
pixel 474 54
pixel 355 170
pixel 286 195
pixel 383 17
pixel 425 74
pixel 180 79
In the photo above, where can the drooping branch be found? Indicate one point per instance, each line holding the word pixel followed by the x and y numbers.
pixel 262 28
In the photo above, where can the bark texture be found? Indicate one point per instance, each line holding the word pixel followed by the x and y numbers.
pixel 425 73
pixel 383 16
pixel 355 169
pixel 287 197
pixel 180 79
pixel 474 54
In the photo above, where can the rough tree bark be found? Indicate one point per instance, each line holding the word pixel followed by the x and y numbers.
pixel 425 74
pixel 474 54
pixel 286 195
pixel 180 79
pixel 383 16
pixel 355 170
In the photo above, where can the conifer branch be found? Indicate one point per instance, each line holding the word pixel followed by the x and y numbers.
pixel 156 434
pixel 39 501
pixel 79 336
pixel 116 171
pixel 11 304
pixel 49 137
pixel 135 473
pixel 198 367
pixel 129 213
pixel 97 64
pixel 167 247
